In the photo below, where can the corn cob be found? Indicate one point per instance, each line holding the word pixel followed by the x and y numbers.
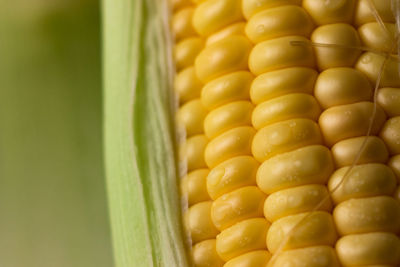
pixel 298 101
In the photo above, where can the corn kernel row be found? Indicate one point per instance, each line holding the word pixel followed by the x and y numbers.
pixel 191 116
pixel 222 66
pixel 366 215
pixel 295 163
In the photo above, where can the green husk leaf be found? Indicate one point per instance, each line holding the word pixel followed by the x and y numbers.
pixel 140 152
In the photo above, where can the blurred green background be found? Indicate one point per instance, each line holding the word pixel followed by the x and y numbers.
pixel 53 210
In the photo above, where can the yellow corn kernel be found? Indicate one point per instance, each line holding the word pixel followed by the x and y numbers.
pixel 340 34
pixel 285 107
pixel 235 142
pixel 367 180
pixel 193 152
pixel 364 215
pixel 364 13
pixel 258 258
pixel 316 229
pixel 186 51
pixel 397 194
pixel 390 134
pixel 389 100
pixel 192 115
pixel 234 29
pixel 187 85
pixel 223 57
pixel 195 185
pixel 204 254
pixel 278 22
pixel 242 237
pixel 352 120
pixel 212 15
pixel 236 206
pixel 280 53
pixel 327 12
pixel 344 152
pixel 295 200
pixel 394 164
pixel 231 174
pixel 228 88
pixel 374 36
pixel 199 223
pixel 251 7
pixel 280 82
pixel 307 165
pixel 371 64
pixel 340 86
pixel 228 116
pixel 285 136
pixel 177 4
pixel 181 23
pixel 319 256
pixel 369 249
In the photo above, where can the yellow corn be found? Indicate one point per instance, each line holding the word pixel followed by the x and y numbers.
pixel 276 99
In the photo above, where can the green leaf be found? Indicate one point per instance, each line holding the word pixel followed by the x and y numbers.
pixel 140 146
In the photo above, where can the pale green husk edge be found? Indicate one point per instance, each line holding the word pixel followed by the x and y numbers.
pixel 140 158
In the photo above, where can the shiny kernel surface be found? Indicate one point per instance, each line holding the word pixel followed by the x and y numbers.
pixel 258 258
pixel 213 15
pixel 340 34
pixel 193 152
pixel 364 13
pixel 327 12
pixel 369 249
pixel 228 116
pixel 366 180
pixel 390 134
pixel 236 206
pixel 285 136
pixel 317 228
pixel 181 23
pixel 234 29
pixel 285 107
pixel 251 7
pixel 232 174
pixel 281 82
pixel 352 120
pixel 196 186
pixel 318 256
pixel 242 237
pixel 340 86
pixel 223 57
pixel 370 64
pixel 344 152
pixel 307 165
pixel 186 51
pixel 296 200
pixel 278 22
pixel 373 35
pixel 228 88
pixel 389 100
pixel 192 115
pixel 187 85
pixel 204 254
pixel 235 142
pixel 364 215
pixel 279 53
pixel 199 222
